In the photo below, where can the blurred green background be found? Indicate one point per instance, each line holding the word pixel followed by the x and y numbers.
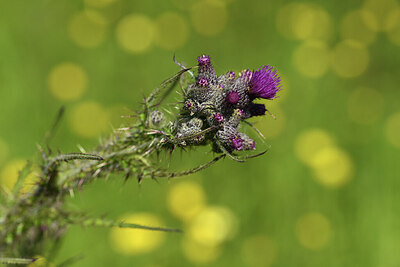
pixel 326 193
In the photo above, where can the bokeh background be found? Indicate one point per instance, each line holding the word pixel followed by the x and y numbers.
pixel 326 193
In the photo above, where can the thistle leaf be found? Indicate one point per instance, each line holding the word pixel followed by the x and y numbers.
pixel 50 133
pixel 100 222
pixel 16 261
pixel 191 171
pixel 73 156
pixel 71 260
pixel 169 83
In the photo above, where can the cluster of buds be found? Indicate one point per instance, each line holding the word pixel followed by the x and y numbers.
pixel 220 103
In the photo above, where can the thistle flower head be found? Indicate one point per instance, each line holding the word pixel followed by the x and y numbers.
pixel 264 83
pixel 237 143
pixel 203 82
pixel 157 117
pixel 247 142
pixel 219 117
pixel 233 97
pixel 189 103
pixel 203 60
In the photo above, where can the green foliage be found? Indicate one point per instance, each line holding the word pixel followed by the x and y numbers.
pixel 31 221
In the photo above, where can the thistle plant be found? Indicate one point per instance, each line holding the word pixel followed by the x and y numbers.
pixel 210 114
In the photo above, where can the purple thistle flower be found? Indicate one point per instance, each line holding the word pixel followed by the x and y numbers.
pixel 265 83
pixel 237 143
pixel 203 82
pixel 233 97
pixel 219 117
pixel 203 60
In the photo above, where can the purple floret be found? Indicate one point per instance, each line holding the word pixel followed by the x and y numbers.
pixel 219 117
pixel 265 83
pixel 233 97
pixel 203 60
pixel 237 143
pixel 246 75
pixel 203 82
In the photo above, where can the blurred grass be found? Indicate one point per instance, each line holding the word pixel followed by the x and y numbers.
pixel 269 196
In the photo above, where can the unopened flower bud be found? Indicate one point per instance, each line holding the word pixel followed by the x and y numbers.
pixel 233 97
pixel 157 117
pixel 219 117
pixel 203 82
pixel 247 142
pixel 195 122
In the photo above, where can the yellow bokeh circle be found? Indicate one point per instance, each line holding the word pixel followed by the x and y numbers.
pixel 380 11
pixel 137 241
pixel 284 19
pixel 99 3
pixel 354 26
pixel 332 167
pixel 67 81
pixel 309 143
pixel 393 129
pixel 3 150
pixel 88 119
pixel 349 59
pixel 198 252
pixel 96 16
pixel 86 32
pixel 185 200
pixel 213 226
pixel 135 33
pixel 105 15
pixel 183 4
pixel 365 105
pixel 172 31
pixel 209 17
pixel 259 251
pixel 9 175
pixel 393 27
pixel 313 231
pixel 311 58
pixel 304 21
pixel 312 23
pixel 393 19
